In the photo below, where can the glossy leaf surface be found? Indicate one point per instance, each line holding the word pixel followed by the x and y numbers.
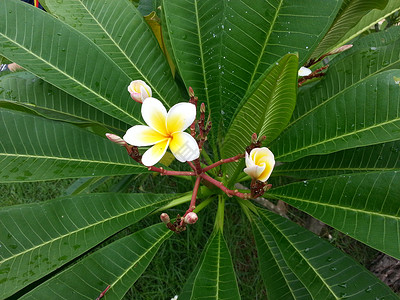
pixel 120 264
pixel 364 206
pixel 222 47
pixel 267 109
pixel 33 148
pixel 369 20
pixel 349 15
pixel 39 238
pixel 313 268
pixel 214 276
pixel 364 114
pixel 48 101
pixel 381 157
pixel 119 29
pixel 65 58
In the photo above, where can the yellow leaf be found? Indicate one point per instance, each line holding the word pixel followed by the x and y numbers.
pixel 154 22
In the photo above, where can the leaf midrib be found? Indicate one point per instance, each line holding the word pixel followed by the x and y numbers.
pixel 68 159
pixel 337 169
pixel 51 109
pixel 339 93
pixel 69 77
pixel 124 54
pixel 74 232
pixel 304 258
pixel 344 208
pixel 340 137
pixel 284 277
pixel 265 45
pixel 133 264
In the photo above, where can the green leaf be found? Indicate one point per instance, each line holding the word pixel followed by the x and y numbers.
pixel 119 29
pixel 349 15
pixel 46 100
pixel 39 238
pixel 308 262
pixel 381 157
pixel 120 265
pixel 364 206
pixel 364 114
pixel 65 58
pixel 267 108
pixel 279 280
pixel 368 20
pixel 222 47
pixel 369 56
pixel 34 149
pixel 214 276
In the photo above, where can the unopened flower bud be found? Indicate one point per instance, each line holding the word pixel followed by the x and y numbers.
pixel 340 49
pixel 139 90
pixel 254 138
pixel 191 92
pixel 165 218
pixel 191 218
pixel 116 139
pixel 202 108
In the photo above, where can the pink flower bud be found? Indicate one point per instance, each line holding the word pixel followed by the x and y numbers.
pixel 116 139
pixel 340 49
pixel 165 218
pixel 139 90
pixel 191 92
pixel 254 138
pixel 202 108
pixel 191 218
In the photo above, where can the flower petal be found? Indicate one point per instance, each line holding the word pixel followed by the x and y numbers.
pixel 155 153
pixel 249 161
pixel 254 171
pixel 180 117
pixel 141 135
pixel 303 71
pixel 155 114
pixel 184 147
pixel 264 157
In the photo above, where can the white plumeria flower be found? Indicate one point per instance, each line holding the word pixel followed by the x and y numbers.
pixel 175 297
pixel 139 90
pixel 259 164
pixel 303 71
pixel 163 130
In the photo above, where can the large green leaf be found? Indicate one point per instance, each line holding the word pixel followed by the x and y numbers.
pixel 39 238
pixel 119 29
pixel 214 276
pixel 33 148
pixel 364 114
pixel 364 206
pixel 223 47
pixel 267 109
pixel 311 267
pixel 381 157
pixel 120 265
pixel 369 56
pixel 65 58
pixel 368 20
pixel 349 15
pixel 45 99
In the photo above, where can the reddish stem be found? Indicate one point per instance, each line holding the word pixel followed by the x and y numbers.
pixel 103 293
pixel 227 191
pixel 191 165
pixel 194 196
pixel 167 172
pixel 223 161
